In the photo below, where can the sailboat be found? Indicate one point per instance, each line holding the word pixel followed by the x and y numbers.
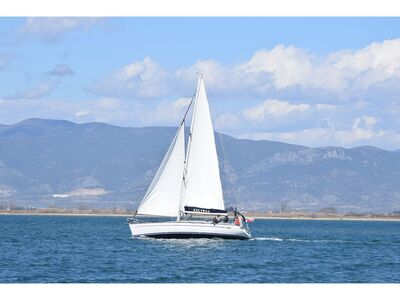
pixel 187 186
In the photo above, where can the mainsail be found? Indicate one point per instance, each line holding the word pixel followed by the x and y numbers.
pixel 202 187
pixel 163 196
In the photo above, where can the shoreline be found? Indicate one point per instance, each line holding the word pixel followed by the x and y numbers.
pixel 293 216
pixel 347 218
pixel 66 214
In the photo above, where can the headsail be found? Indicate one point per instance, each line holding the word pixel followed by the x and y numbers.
pixel 202 179
pixel 162 197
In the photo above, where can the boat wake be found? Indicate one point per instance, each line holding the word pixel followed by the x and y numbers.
pixel 277 239
pixel 185 243
pixel 267 239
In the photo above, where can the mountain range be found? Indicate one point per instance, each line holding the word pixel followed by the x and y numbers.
pixel 56 163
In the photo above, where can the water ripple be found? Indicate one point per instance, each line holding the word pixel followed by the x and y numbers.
pixel 100 249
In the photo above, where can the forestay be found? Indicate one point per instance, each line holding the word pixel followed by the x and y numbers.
pixel 163 196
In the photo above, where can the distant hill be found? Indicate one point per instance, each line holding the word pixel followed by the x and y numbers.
pixel 95 165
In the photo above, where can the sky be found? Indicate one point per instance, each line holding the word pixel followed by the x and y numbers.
pixel 310 81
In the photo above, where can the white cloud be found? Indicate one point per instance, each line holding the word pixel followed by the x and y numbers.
pixel 274 108
pixel 217 76
pixel 275 114
pixel 373 64
pixel 290 66
pixel 140 79
pixel 167 113
pixel 81 113
pixel 362 132
pixel 339 75
pixel 370 121
pixel 50 29
pixel 287 65
pixel 223 80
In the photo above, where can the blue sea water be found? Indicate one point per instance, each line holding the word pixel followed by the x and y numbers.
pixel 75 249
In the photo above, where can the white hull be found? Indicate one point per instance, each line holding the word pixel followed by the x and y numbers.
pixel 188 229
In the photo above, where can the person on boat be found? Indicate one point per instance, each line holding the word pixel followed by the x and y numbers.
pixel 236 220
pixel 216 220
pixel 226 219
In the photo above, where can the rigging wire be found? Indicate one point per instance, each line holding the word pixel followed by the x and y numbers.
pixel 183 185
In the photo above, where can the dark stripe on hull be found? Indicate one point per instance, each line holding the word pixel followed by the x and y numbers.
pixel 195 236
pixel 205 210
